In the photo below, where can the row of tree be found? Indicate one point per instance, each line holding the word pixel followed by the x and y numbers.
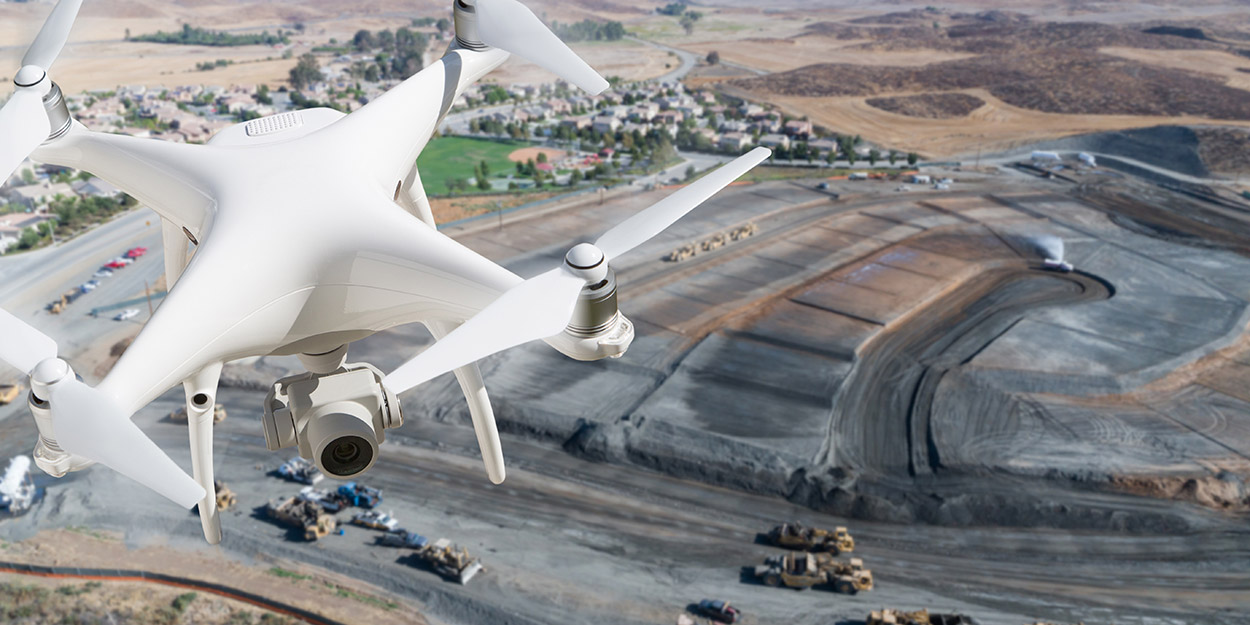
pixel 195 36
pixel 589 30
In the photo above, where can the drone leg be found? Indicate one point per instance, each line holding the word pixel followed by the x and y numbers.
pixel 474 388
pixel 411 196
pixel 201 390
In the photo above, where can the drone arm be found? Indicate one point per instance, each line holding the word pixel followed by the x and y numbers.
pixel 160 174
pixel 177 254
pixel 201 390
pixel 388 133
pixel 474 388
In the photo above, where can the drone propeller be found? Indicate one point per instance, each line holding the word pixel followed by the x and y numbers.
pixel 90 423
pixel 24 123
pixel 542 306
pixel 510 26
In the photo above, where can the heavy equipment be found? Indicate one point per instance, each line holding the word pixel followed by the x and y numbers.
pixel 9 392
pixel 802 570
pixel 225 496
pixel 800 537
pixel 306 515
pixel 890 616
pixel 375 519
pixel 451 561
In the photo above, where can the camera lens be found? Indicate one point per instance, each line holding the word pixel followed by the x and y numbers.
pixel 347 455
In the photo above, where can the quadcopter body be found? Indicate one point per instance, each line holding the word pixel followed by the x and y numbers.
pixel 311 230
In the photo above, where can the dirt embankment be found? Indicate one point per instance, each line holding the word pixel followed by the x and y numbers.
pixel 930 105
pixel 1224 150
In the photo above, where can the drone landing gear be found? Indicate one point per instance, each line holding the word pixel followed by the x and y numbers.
pixel 201 390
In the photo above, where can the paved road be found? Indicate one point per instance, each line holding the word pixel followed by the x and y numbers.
pixel 29 281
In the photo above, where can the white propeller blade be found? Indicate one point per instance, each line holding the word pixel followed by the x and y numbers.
pixel 23 346
pixel 535 309
pixel 638 229
pixel 90 424
pixel 23 126
pixel 509 25
pixel 52 37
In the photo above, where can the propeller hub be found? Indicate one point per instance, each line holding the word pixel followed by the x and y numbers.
pixel 47 373
pixel 587 261
pixel 29 76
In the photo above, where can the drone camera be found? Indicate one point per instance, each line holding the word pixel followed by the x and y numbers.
pixel 336 419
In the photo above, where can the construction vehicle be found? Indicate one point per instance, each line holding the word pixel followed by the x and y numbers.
pixel 329 500
pixel 451 561
pixel 9 393
pixel 802 570
pixel 800 537
pixel 180 415
pixel 403 538
pixel 890 616
pixel 301 514
pixel 713 242
pixel 300 470
pixel 375 519
pixel 67 298
pixel 17 491
pixel 225 496
pixel 360 495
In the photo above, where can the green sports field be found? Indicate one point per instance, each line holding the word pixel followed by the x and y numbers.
pixel 454 157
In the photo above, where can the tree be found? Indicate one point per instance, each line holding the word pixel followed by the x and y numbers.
pixel 873 156
pixel 306 72
pixel 485 168
pixel 542 157
pixel 442 24
pixel 713 57
pixel 687 23
pixel 690 172
pixel 912 158
pixel 893 156
pixel 575 177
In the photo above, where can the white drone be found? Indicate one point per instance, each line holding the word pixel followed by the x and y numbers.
pixel 311 230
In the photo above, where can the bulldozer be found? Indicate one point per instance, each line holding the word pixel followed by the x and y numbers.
pixel 451 561
pixel 800 537
pixel 890 616
pixel 180 415
pixel 802 570
pixel 307 515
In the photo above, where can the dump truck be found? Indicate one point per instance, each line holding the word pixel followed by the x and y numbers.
pixel 682 253
pixel 800 537
pixel 67 298
pixel 451 561
pixel 360 495
pixel 305 515
pixel 802 570
pixel 890 616
pixel 180 415
pixel 9 393
pixel 300 470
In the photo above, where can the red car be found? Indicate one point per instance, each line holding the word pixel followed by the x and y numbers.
pixel 115 265
pixel 136 252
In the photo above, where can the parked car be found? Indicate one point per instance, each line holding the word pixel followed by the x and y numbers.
pixel 136 252
pixel 113 264
pixel 129 313
pixel 103 273
pixel 719 610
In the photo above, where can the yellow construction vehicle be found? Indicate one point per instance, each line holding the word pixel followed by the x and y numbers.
pixel 451 561
pixel 9 393
pixel 802 570
pixel 307 515
pixel 225 496
pixel 890 616
pixel 798 536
